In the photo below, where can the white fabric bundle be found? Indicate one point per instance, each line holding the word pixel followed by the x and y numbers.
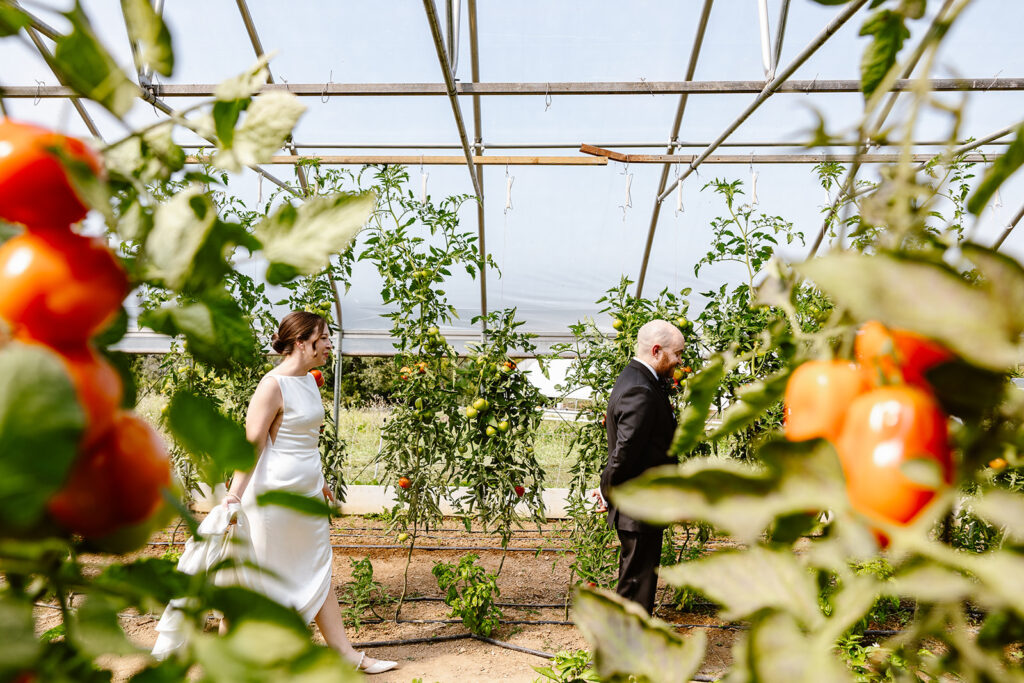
pixel 219 540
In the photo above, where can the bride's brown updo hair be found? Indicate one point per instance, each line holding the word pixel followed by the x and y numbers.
pixel 295 327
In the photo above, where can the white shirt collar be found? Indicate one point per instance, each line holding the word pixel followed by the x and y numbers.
pixel 646 365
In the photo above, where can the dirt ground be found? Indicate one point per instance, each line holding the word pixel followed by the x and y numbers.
pixel 533 584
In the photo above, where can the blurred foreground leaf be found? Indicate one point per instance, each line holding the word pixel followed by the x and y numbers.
pixel 39 414
pixel 300 240
pixel 700 392
pixel 317 507
pixel 976 322
pixel 627 641
pixel 152 39
pixel 215 331
pixel 738 498
pixel 268 123
pixel 218 443
pixel 745 582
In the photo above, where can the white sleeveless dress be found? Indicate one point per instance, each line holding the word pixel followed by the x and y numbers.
pixel 293 546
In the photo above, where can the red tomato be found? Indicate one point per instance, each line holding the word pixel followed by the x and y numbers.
pixel 97 385
pixel 884 429
pixel 520 491
pixel 818 395
pixel 318 376
pixel 115 483
pixel 34 187
pixel 404 482
pixel 59 287
pixel 889 354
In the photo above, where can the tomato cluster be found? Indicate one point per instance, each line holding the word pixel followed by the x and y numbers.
pixel 880 414
pixel 57 290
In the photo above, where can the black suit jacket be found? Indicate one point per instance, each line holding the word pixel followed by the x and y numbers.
pixel 640 425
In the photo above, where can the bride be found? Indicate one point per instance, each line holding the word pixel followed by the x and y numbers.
pixel 283 422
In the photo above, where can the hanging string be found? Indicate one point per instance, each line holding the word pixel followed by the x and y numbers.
pixel 997 203
pixel 679 194
pixel 39 95
pixel 547 97
pixel 259 190
pixel 324 97
pixel 423 182
pixel 629 181
pixel 509 179
pixel 753 182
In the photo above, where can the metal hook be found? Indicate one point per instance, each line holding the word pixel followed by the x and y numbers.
pixel 647 85
pixel 547 97
pixel 39 95
pixel 330 81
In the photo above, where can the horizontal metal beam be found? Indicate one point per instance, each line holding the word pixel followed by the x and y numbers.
pixel 409 160
pixel 606 145
pixel 562 88
pixel 432 160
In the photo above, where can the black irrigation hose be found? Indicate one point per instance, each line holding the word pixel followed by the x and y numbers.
pixel 517 648
pixel 411 641
pixel 419 547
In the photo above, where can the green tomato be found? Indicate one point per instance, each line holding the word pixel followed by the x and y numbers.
pixel 490 431
pixel 480 404
pixel 403 537
pixel 503 426
pixel 471 412
pixel 617 324
pixel 433 331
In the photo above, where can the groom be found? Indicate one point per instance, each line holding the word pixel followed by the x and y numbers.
pixel 640 426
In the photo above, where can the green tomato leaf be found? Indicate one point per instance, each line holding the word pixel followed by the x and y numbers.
pixel 246 84
pixel 267 124
pixel 626 641
pixel 317 507
pixel 21 647
pixel 700 392
pixel 181 226
pixel 751 402
pixel 973 321
pixel 305 237
pixel 97 630
pixel 86 67
pixel 209 436
pixel 744 582
pixel 151 578
pixel 152 39
pixel 215 330
pixel 39 413
pixel 777 650
pixel 738 498
pixel 1003 509
pixel 889 31
pixel 12 20
pixel 1002 168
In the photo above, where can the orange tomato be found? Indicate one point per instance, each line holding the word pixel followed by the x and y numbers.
pixel 318 376
pixel 888 354
pixel 885 428
pixel 97 385
pixel 817 397
pixel 116 482
pixel 404 482
pixel 34 187
pixel 59 287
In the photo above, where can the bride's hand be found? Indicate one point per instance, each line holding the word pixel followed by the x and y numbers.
pixel 328 494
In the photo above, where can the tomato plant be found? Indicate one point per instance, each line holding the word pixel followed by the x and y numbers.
pixel 59 287
pixel 34 186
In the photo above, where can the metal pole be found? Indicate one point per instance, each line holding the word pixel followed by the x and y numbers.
pixel 257 46
pixel 780 35
pixel 75 102
pixel 648 88
pixel 1009 228
pixel 478 148
pixel 766 44
pixel 774 85
pixel 698 41
pixel 453 98
pixel 607 145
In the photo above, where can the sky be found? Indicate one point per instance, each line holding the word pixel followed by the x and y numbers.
pixel 569 235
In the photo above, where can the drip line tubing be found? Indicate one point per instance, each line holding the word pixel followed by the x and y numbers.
pixel 517 648
pixel 411 641
pixel 418 547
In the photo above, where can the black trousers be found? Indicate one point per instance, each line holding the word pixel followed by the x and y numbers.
pixel 638 562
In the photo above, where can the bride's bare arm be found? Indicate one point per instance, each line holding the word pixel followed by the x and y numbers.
pixel 264 408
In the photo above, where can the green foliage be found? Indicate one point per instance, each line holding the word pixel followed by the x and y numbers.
pixel 568 666
pixel 1003 167
pixel 362 593
pixel 590 544
pixel 470 591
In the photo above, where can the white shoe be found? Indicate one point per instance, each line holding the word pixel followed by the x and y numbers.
pixel 378 667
